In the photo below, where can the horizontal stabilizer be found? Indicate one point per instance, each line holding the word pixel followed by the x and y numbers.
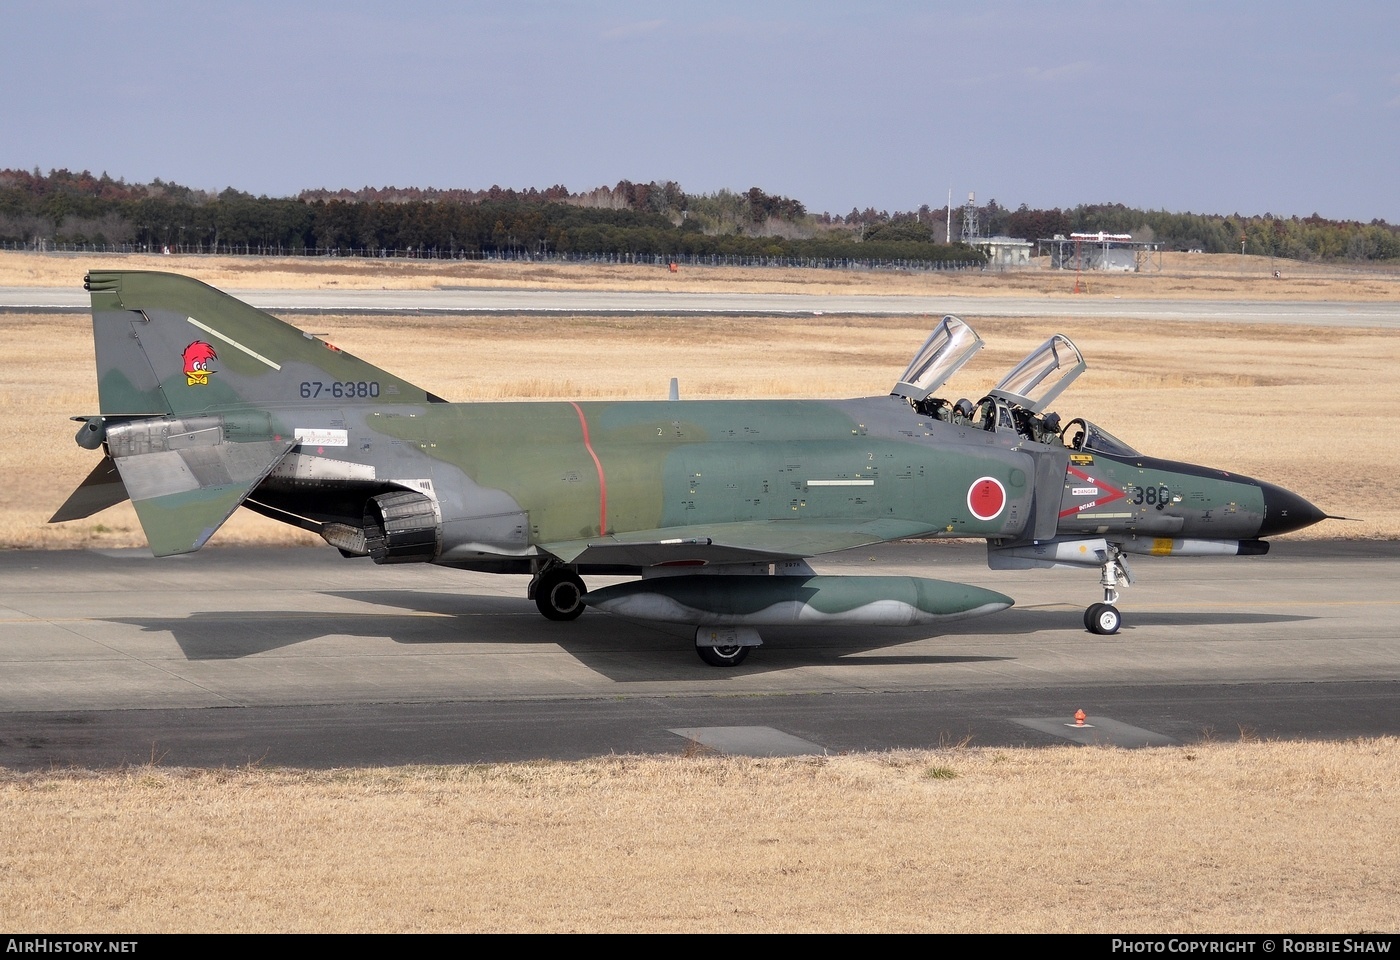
pixel 103 488
pixel 182 496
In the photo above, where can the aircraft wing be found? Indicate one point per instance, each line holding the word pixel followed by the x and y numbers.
pixel 738 542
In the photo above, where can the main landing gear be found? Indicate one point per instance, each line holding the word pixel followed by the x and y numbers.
pixel 558 592
pixel 1104 618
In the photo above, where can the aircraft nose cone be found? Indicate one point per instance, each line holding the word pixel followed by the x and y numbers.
pixel 1285 511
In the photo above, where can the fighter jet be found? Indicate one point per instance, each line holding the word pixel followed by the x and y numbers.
pixel 714 507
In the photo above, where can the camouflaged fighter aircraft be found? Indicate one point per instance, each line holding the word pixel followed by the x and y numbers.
pixel 207 404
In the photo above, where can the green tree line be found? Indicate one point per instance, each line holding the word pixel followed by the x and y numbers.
pixel 631 219
pixel 655 219
pixel 1294 238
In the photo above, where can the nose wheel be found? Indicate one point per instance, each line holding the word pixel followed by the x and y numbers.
pixel 1103 619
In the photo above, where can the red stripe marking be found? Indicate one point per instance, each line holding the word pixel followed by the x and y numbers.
pixel 1114 494
pixel 602 477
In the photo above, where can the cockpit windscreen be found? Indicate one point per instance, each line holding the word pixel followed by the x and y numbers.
pixel 1089 437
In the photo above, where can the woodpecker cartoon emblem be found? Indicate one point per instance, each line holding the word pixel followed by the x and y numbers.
pixel 197 357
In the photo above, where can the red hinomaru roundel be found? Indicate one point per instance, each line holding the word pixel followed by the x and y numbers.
pixel 197 357
pixel 986 498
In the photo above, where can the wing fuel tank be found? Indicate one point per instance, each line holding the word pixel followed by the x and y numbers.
pixel 708 600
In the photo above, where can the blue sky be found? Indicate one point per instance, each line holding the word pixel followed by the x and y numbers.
pixel 1250 107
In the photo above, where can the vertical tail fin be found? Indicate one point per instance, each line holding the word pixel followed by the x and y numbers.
pixel 170 345
pixel 189 380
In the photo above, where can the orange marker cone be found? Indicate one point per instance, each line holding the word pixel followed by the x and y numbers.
pixel 1079 717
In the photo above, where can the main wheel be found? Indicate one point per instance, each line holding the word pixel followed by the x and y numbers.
pixel 559 594
pixel 1106 619
pixel 723 656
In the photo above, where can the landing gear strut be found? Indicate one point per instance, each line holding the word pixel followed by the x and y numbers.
pixel 1104 618
pixel 558 593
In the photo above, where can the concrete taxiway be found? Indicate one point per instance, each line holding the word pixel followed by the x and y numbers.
pixel 575 302
pixel 296 656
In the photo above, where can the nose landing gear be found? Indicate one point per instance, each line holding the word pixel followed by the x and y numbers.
pixel 1104 618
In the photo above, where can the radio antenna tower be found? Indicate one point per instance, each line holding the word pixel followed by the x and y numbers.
pixel 971 230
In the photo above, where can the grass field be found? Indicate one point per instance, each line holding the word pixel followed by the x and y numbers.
pixel 1233 838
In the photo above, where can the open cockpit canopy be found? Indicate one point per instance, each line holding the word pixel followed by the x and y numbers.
pixel 951 344
pixel 1042 376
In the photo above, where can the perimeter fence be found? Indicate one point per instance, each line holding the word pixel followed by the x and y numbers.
pixel 503 256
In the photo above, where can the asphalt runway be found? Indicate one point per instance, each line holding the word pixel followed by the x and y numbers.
pixel 576 302
pixel 298 657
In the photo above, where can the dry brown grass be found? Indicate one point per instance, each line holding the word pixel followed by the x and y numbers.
pixel 1183 276
pixel 1213 838
pixel 1235 397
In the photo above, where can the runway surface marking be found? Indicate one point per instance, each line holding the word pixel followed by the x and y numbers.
pixel 750 741
pixel 1096 731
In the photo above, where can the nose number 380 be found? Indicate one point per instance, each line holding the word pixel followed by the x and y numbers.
pixel 1156 496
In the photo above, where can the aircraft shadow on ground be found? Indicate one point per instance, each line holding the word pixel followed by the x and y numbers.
pixel 1065 619
pixel 618 649
pixel 222 636
pixel 625 650
pixel 1197 618
pixel 622 650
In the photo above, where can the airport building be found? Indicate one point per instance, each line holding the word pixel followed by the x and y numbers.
pixel 1004 253
pixel 1117 252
